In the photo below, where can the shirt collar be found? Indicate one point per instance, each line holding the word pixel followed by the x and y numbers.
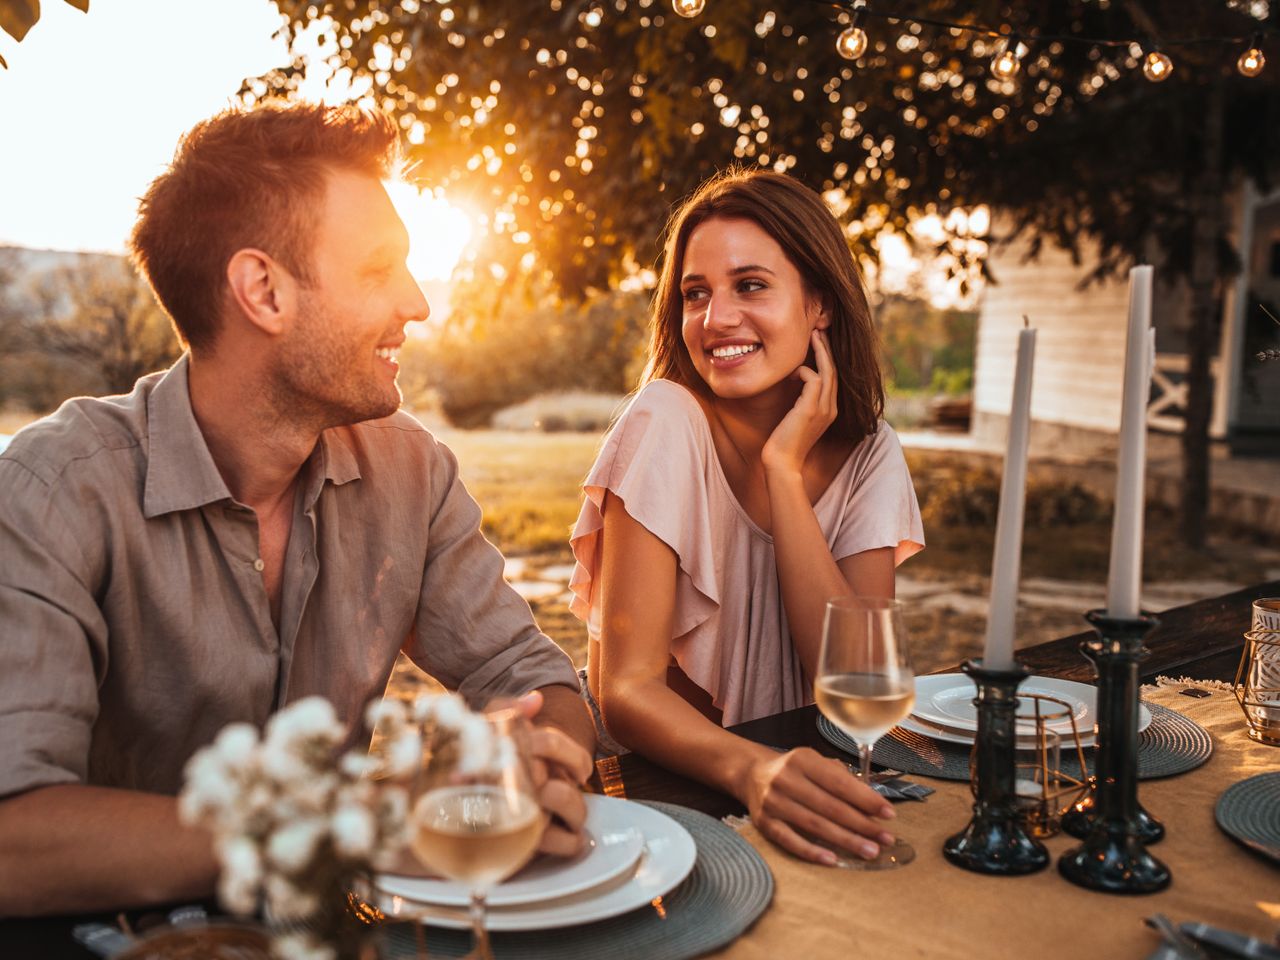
pixel 181 474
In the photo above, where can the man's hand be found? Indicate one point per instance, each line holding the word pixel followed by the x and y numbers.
pixel 560 767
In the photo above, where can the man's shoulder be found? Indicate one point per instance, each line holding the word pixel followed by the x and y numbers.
pixel 395 440
pixel 79 432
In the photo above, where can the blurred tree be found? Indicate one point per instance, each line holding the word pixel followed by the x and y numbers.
pixel 504 343
pixel 579 121
pixel 99 315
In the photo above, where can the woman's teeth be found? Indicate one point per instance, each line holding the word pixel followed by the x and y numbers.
pixel 737 350
pixel 387 353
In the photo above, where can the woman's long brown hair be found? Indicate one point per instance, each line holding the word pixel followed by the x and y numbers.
pixel 798 219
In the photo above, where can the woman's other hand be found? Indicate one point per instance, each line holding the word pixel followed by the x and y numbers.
pixel 814 411
pixel 803 792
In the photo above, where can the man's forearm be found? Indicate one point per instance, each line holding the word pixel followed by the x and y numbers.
pixel 564 708
pixel 72 848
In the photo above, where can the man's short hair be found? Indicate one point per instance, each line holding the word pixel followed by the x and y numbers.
pixel 247 178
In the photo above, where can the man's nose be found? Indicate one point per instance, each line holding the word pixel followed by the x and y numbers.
pixel 415 305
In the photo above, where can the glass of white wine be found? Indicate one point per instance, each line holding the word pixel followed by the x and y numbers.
pixel 865 686
pixel 477 823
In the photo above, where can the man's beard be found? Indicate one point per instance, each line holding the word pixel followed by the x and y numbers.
pixel 315 380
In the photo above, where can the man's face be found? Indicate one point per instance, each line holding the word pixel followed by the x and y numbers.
pixel 338 360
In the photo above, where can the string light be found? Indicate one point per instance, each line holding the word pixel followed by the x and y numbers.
pixel 1157 67
pixel 689 8
pixel 852 43
pixel 1006 64
pixel 1252 61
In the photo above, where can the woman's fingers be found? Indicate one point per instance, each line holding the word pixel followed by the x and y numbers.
pixel 810 807
pixel 793 843
pixel 835 779
pixel 826 371
pixel 798 817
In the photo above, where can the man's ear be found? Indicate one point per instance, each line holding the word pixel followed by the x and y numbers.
pixel 263 291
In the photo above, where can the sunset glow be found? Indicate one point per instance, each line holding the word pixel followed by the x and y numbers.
pixel 438 231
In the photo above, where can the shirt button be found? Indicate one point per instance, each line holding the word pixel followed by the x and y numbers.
pixel 258 565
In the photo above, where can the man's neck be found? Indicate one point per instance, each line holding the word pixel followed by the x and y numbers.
pixel 258 449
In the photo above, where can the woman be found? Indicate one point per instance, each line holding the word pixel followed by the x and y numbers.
pixel 750 479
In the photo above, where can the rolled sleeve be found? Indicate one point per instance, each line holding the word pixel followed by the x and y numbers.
pixel 53 639
pixel 473 632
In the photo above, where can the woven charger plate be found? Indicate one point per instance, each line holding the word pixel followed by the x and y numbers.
pixel 727 890
pixel 1172 744
pixel 1249 812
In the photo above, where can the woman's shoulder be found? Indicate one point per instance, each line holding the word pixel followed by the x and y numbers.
pixel 662 395
pixel 666 405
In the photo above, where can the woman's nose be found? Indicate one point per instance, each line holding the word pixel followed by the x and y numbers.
pixel 720 314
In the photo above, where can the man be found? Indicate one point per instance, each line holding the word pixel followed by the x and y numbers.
pixel 255 525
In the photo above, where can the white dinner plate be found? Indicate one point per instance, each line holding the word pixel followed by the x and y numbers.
pixel 946 700
pixel 613 847
pixel 665 860
pixel 965 737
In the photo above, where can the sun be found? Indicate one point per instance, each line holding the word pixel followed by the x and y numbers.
pixel 438 231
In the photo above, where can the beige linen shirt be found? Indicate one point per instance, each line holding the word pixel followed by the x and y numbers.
pixel 134 623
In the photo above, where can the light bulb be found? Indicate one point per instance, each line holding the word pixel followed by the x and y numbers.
pixel 1005 64
pixel 689 8
pixel 852 43
pixel 1157 67
pixel 1251 61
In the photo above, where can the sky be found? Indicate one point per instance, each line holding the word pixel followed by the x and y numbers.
pixel 93 105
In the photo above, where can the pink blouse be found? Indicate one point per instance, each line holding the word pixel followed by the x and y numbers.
pixel 729 632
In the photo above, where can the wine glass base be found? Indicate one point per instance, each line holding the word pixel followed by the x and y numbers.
pixel 892 855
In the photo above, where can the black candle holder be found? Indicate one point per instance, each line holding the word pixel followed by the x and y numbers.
pixel 995 841
pixel 1114 857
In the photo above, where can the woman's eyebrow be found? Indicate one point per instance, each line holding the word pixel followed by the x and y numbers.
pixel 735 272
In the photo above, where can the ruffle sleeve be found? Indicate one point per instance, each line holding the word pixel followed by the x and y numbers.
pixel 879 504
pixel 655 461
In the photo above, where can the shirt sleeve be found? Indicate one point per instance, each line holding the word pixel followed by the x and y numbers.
pixel 473 632
pixel 53 638
pixel 881 509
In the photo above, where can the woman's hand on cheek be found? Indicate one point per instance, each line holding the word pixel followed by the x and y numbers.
pixel 808 420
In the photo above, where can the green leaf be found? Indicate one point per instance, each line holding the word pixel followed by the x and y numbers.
pixel 81 5
pixel 18 16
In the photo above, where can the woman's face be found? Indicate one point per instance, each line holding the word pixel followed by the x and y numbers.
pixel 747 314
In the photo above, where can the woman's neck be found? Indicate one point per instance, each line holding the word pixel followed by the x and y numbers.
pixel 748 422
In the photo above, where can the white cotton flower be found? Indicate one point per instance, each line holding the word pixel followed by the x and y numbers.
pixel 235 745
pixel 404 754
pixel 210 788
pixel 241 873
pixel 357 765
pixel 354 831
pixel 278 759
pixel 308 718
pixel 451 711
pixel 475 746
pixel 286 902
pixel 301 946
pixel 385 714
pixel 291 847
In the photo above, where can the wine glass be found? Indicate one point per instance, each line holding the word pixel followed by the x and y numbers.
pixel 865 686
pixel 474 816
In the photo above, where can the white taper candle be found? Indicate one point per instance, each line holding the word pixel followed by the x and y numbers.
pixel 1006 561
pixel 1124 580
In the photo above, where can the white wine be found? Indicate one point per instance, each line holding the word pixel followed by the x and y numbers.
pixel 476 834
pixel 864 705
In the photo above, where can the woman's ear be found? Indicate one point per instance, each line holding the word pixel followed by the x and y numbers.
pixel 821 311
pixel 264 293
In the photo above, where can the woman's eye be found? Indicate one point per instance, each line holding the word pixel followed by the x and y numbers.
pixel 693 294
pixel 751 286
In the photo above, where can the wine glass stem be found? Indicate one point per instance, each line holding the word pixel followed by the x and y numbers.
pixel 479 932
pixel 864 753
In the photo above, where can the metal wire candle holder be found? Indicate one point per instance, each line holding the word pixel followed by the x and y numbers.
pixel 1044 790
pixel 1257 685
pixel 1114 857
pixel 995 840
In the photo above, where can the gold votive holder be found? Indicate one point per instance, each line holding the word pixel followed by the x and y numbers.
pixel 1044 791
pixel 1257 685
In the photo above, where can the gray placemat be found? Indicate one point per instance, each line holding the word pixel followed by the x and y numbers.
pixel 1249 812
pixel 727 890
pixel 1172 744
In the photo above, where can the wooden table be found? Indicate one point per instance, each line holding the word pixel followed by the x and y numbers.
pixel 1201 640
